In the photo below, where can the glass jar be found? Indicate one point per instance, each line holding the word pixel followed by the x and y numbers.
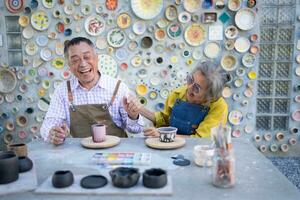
pixel 223 174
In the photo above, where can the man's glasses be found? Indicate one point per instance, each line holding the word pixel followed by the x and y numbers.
pixel 190 81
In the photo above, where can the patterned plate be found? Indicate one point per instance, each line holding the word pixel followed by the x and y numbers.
pixel 8 81
pixel 116 37
pixel 40 20
pixel 245 19
pixel 107 65
pixel 147 9
pixel 31 48
pixel 28 32
pixel 48 3
pixel 14 6
pixel 94 25
pixel 124 20
pixel 174 30
pixel 194 35
pixel 235 117
pixel 42 40
pixel 191 5
pixel 46 54
pixel 58 63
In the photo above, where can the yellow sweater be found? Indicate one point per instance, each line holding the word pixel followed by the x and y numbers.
pixel 217 113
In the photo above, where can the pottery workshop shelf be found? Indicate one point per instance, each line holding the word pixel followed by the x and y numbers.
pixel 256 177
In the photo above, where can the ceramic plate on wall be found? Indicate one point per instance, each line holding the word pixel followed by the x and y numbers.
pixel 107 65
pixel 94 25
pixel 8 81
pixel 28 32
pixel 229 62
pixel 42 40
pixel 14 6
pixel 242 44
pixel 164 92
pixel 235 117
pixel 160 34
pixel 171 12
pixel 48 3
pixel 46 54
pixel 248 60
pixel 147 9
pixel 31 48
pixel 212 49
pixel 245 19
pixel 40 20
pixel 231 32
pixel 141 89
pixel 58 63
pixel 23 20
pixel 116 37
pixel 191 5
pixel 124 20
pixel 194 35
pixel 121 54
pixel 174 30
pixel 101 43
pixel 139 27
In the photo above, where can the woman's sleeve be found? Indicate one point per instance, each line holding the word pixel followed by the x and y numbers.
pixel 218 113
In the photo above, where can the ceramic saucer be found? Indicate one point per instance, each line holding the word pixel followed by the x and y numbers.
pixel 235 117
pixel 116 37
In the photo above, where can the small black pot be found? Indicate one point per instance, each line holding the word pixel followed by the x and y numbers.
pixel 25 164
pixel 124 177
pixel 155 178
pixel 9 168
pixel 61 179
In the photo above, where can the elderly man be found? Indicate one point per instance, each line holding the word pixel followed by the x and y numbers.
pixel 89 97
pixel 194 108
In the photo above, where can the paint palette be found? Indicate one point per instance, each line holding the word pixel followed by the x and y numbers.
pixel 122 158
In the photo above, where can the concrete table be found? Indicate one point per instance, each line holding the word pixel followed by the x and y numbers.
pixel 256 177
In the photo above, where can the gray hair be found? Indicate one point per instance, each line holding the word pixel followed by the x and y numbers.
pixel 214 78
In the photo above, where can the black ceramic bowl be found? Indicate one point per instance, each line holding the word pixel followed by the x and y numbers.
pixel 155 178
pixel 124 177
pixel 25 164
pixel 61 179
pixel 9 168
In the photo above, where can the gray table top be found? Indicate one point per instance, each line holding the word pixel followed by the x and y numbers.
pixel 256 177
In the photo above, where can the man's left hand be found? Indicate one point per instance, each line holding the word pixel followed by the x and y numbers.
pixel 132 106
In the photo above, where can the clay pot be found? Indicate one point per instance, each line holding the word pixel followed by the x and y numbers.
pixel 61 179
pixel 25 164
pixel 155 178
pixel 124 177
pixel 20 149
pixel 9 169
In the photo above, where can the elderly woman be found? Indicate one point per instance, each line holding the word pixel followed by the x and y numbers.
pixel 194 108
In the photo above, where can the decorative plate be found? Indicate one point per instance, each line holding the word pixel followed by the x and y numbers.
pixel 171 13
pixel 153 95
pixel 212 49
pixel 184 17
pixel 42 40
pixel 191 5
pixel 8 81
pixel 66 74
pixel 58 63
pixel 147 9
pixel 94 25
pixel 43 105
pixel 242 44
pixel 59 48
pixel 248 60
pixel 121 54
pixel 231 32
pixel 86 9
pixel 234 5
pixel 69 9
pixel 235 117
pixel 141 89
pixel 227 92
pixel 197 54
pixel 136 61
pixel 229 62
pixel 116 37
pixel 160 34
pixel 195 34
pixel 40 20
pixel 107 65
pixel 174 30
pixel 14 6
pixel 31 48
pixel 155 81
pixel 164 92
pixel 28 32
pixel 23 21
pixel 139 27
pixel 48 3
pixel 245 19
pixel 124 20
pixel 162 23
pixel 101 43
pixel 46 54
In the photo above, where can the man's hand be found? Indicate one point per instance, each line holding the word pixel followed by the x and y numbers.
pixel 132 106
pixel 151 132
pixel 57 134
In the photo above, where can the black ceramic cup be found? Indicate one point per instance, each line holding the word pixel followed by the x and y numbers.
pixel 155 178
pixel 25 164
pixel 124 177
pixel 61 179
pixel 9 168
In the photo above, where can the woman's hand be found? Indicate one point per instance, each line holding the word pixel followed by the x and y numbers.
pixel 151 132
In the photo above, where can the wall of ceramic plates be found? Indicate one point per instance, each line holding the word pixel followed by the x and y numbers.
pixel 150 45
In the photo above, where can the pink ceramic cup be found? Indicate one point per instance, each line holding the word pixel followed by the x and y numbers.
pixel 98 132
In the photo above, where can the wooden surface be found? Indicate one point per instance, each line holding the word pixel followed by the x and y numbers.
pixel 109 142
pixel 156 144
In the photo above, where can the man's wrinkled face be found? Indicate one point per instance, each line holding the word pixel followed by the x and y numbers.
pixel 83 63
pixel 197 87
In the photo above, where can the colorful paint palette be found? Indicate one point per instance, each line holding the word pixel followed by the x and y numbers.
pixel 122 158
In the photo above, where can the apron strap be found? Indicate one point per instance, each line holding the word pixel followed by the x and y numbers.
pixel 115 93
pixel 70 95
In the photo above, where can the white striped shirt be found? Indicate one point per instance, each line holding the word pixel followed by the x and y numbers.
pixel 58 111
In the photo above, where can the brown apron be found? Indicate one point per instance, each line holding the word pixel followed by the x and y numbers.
pixel 84 116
